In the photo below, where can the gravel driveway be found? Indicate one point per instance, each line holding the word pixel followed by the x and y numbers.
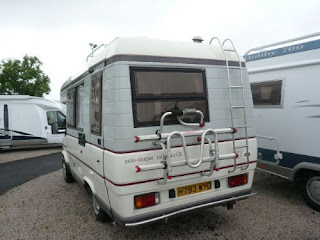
pixel 49 208
pixel 15 173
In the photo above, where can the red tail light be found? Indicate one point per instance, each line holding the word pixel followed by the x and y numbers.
pixel 238 180
pixel 146 200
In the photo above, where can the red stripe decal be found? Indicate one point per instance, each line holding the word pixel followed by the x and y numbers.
pixel 153 149
pixel 152 180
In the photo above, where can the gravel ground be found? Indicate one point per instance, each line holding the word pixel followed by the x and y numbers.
pixel 49 208
pixel 15 173
pixel 21 154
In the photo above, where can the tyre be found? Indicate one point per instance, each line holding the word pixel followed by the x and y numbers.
pixel 66 172
pixel 101 216
pixel 311 190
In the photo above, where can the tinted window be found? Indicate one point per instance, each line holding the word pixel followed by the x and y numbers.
pixel 6 117
pixel 71 108
pixel 95 104
pixel 151 111
pixel 267 93
pixel 168 83
pixel 61 120
pixel 156 91
pixel 57 121
pixel 79 106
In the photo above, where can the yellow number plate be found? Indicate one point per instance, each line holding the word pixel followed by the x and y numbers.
pixel 196 188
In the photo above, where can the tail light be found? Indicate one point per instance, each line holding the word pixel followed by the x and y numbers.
pixel 146 200
pixel 238 180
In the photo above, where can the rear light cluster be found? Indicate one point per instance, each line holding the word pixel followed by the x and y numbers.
pixel 238 180
pixel 146 200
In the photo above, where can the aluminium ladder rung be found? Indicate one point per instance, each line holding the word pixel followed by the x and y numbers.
pixel 229 50
pixel 238 106
pixel 237 87
pixel 243 146
pixel 244 126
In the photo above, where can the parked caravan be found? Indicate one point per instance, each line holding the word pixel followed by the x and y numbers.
pixel 26 120
pixel 156 128
pixel 285 86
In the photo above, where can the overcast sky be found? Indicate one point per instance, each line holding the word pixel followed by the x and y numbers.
pixel 59 32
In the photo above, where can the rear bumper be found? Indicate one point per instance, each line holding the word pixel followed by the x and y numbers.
pixel 165 213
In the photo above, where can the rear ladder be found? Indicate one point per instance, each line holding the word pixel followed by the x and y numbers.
pixel 233 107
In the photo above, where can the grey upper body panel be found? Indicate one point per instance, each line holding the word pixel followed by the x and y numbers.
pixel 117 111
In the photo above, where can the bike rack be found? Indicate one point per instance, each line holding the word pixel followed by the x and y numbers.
pixel 164 140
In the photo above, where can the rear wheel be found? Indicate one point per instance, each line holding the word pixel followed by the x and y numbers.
pixel 66 172
pixel 101 216
pixel 311 190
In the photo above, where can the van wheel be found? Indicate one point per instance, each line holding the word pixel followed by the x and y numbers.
pixel 101 216
pixel 311 190
pixel 66 172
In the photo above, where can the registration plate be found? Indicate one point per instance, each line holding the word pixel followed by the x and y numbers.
pixel 195 188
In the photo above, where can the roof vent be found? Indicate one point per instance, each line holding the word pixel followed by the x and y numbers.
pixel 197 39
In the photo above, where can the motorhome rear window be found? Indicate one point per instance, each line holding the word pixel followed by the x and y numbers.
pixel 158 90
pixel 159 83
pixel 267 93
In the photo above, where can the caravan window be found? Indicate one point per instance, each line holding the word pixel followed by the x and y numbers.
pixel 95 104
pixel 79 106
pixel 156 91
pixel 267 93
pixel 71 108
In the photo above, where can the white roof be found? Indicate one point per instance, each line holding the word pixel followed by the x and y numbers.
pixel 162 48
pixel 26 99
pixel 17 97
pixel 142 46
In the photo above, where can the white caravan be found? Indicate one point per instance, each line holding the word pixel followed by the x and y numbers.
pixel 26 120
pixel 156 128
pixel 285 83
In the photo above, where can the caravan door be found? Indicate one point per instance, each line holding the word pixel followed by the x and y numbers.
pixel 5 133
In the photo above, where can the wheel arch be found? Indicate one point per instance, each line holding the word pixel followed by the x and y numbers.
pixel 303 168
pixel 89 185
pixel 65 156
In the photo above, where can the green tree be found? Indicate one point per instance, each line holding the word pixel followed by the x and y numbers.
pixel 23 77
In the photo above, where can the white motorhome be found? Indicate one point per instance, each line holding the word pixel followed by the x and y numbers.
pixel 26 120
pixel 156 128
pixel 285 83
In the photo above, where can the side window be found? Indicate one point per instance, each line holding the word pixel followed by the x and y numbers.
pixel 70 108
pixel 57 121
pixel 4 128
pixel 79 106
pixel 61 120
pixel 96 105
pixel 159 90
pixel 267 93
pixel 6 117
